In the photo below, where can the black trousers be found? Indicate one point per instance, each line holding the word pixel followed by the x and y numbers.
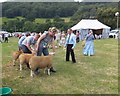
pixel 70 51
pixel 6 39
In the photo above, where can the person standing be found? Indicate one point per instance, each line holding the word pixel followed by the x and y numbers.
pixel 89 45
pixel 70 45
pixel 77 37
pixel 27 42
pixel 58 37
pixel 63 36
pixel 3 36
pixel 42 44
pixel 0 38
pixel 6 38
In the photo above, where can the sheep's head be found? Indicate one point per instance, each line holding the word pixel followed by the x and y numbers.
pixel 21 52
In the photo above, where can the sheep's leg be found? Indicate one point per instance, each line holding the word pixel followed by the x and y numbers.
pixel 44 70
pixel 20 67
pixel 31 73
pixel 14 62
pixel 49 72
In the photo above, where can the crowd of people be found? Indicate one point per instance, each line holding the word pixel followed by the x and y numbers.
pixel 39 44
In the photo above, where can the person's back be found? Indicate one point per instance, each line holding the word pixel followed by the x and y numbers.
pixel 46 40
pixel 21 40
pixel 28 39
pixel 28 43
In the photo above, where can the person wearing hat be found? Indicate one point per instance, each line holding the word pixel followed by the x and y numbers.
pixel 89 44
pixel 42 44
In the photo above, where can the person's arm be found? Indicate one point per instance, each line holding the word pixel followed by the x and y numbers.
pixel 35 47
pixel 38 42
pixel 74 40
pixel 28 46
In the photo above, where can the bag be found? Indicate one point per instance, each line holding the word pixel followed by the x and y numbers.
pixel 83 43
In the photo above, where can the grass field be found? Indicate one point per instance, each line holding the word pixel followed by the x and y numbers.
pixel 37 20
pixel 90 75
pixel 43 20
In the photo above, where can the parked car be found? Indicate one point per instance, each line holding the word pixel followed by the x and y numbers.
pixel 113 34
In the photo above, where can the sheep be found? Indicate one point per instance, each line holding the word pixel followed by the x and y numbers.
pixel 16 55
pixel 24 58
pixel 41 62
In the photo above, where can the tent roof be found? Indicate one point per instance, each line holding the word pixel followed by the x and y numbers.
pixel 89 24
pixel 3 32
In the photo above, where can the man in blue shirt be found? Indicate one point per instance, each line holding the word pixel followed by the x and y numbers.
pixel 70 45
pixel 21 40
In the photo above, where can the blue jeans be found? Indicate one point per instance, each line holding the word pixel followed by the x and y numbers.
pixel 42 50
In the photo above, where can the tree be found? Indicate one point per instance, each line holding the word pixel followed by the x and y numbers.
pixel 107 16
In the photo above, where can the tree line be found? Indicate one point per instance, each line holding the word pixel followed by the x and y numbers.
pixel 104 12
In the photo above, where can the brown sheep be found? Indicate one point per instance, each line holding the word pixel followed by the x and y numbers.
pixel 40 62
pixel 16 55
pixel 24 58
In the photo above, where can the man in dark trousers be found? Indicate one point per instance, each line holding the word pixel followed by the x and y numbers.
pixel 70 45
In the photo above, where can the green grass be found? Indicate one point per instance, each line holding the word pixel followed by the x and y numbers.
pixel 40 20
pixel 67 19
pixel 43 20
pixel 37 20
pixel 5 19
pixel 90 75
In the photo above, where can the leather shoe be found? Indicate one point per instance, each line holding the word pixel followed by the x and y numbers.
pixel 52 69
pixel 73 62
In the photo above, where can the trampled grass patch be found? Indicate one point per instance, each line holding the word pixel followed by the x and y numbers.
pixel 90 75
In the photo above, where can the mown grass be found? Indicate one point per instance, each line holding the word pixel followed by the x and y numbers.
pixel 90 75
pixel 43 20
pixel 37 20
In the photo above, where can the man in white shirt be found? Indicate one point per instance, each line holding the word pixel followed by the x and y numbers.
pixel 6 38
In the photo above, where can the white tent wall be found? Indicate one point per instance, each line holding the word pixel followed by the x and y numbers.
pixel 83 33
pixel 105 33
pixel 3 32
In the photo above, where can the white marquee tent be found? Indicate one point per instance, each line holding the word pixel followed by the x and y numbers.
pixel 3 32
pixel 85 24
